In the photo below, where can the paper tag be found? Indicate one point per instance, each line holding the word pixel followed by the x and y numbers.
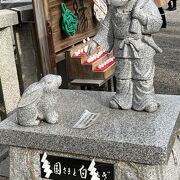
pixel 86 120
pixel 15 1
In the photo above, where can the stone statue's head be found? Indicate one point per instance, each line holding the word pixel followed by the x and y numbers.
pixel 119 3
pixel 50 82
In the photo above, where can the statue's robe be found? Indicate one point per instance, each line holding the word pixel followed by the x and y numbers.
pixel 134 50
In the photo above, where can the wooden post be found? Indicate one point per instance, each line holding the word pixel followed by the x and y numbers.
pixel 42 35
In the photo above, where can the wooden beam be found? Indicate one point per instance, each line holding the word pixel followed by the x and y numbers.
pixel 42 36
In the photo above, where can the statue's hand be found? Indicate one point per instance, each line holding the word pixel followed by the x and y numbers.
pixel 92 46
pixel 140 15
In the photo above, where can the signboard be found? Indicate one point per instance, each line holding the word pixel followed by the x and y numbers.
pixel 55 167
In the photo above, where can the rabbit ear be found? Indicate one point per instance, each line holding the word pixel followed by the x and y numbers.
pixel 31 95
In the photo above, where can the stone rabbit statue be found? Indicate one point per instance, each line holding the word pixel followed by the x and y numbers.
pixel 38 102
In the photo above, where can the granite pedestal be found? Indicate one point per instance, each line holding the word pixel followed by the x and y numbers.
pixel 140 145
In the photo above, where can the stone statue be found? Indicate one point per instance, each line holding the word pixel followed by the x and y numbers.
pixel 38 102
pixel 128 29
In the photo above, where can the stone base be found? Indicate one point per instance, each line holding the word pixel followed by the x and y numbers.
pixel 138 144
pixel 25 164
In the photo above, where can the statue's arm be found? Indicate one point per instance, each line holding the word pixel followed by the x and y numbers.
pixel 154 23
pixel 104 36
pixel 149 17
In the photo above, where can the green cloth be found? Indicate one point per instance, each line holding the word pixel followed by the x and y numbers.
pixel 69 21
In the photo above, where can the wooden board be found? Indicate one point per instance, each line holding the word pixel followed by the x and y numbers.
pixel 52 43
pixel 42 37
pixel 79 68
pixel 61 42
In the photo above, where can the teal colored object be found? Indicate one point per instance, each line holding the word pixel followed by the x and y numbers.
pixel 69 21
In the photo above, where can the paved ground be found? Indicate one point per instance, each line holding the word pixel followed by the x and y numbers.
pixel 167 78
pixel 3 178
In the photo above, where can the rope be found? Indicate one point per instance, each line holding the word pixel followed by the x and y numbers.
pixel 69 21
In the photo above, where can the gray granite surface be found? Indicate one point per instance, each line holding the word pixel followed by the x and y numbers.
pixel 25 164
pixel 8 18
pixel 8 71
pixel 8 74
pixel 117 134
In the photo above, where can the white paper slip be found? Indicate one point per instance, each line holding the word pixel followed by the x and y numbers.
pixel 86 120
pixel 15 1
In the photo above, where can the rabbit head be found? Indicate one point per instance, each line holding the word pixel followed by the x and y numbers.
pixel 35 91
pixel 51 82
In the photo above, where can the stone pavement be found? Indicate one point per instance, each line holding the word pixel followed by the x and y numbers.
pixel 3 178
pixel 167 77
